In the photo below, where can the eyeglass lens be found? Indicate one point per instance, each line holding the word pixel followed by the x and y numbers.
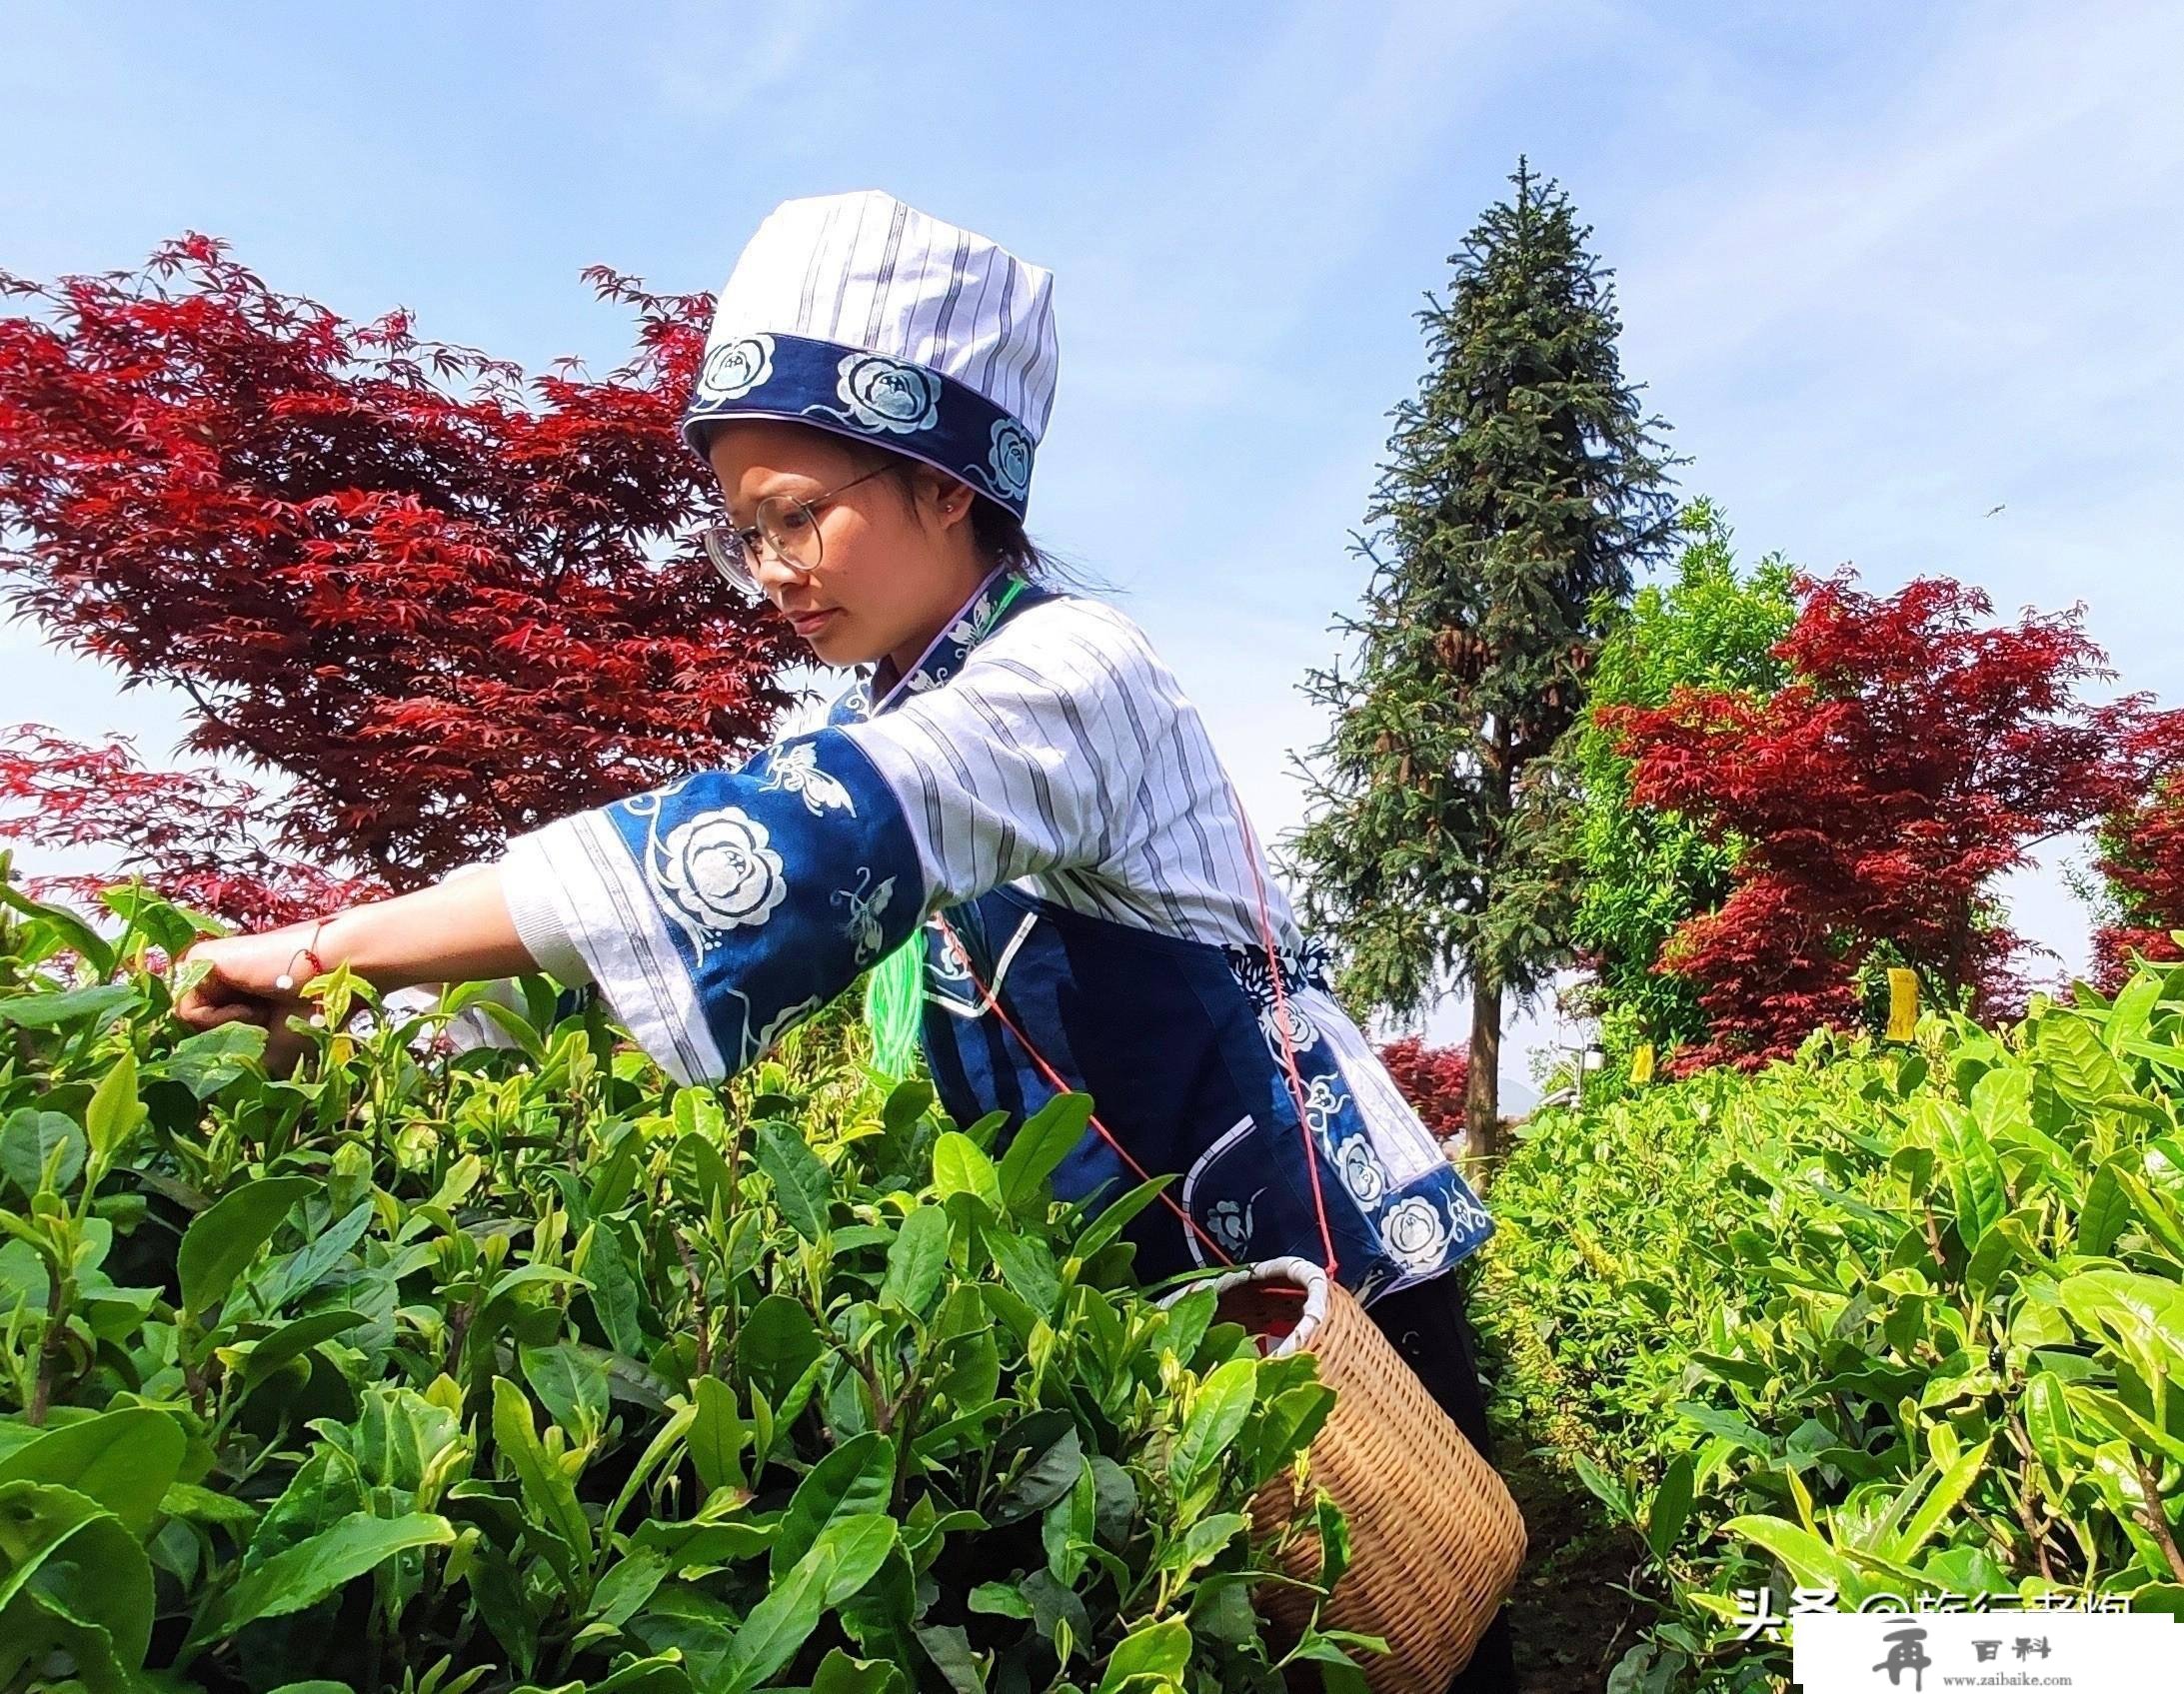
pixel 787 529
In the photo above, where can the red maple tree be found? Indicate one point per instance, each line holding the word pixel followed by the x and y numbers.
pixel 445 602
pixel 1919 753
pixel 1432 1079
pixel 2141 858
pixel 196 836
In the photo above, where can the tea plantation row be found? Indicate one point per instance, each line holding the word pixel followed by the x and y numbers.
pixel 526 1368
pixel 1883 1321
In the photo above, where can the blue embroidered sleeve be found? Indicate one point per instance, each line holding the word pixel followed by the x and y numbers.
pixel 717 911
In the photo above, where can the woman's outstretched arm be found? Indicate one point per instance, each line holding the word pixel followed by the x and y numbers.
pixel 457 930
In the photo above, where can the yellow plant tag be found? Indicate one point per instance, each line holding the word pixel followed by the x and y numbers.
pixel 1902 1003
pixel 1641 1065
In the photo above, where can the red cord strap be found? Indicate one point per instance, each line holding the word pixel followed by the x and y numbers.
pixel 1062 1086
pixel 287 979
pixel 992 998
pixel 1281 1016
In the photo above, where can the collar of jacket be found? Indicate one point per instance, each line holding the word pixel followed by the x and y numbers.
pixel 1004 594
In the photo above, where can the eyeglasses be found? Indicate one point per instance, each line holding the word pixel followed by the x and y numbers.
pixel 787 527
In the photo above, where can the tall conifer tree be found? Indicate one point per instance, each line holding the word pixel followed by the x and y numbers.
pixel 1522 487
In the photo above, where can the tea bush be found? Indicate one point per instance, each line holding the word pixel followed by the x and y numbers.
pixel 526 1368
pixel 1882 1321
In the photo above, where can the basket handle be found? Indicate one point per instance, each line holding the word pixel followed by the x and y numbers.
pixel 1290 1271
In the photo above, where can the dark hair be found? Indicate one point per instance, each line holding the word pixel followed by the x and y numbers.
pixel 1001 536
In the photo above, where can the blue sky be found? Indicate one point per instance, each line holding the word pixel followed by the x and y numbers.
pixel 1882 267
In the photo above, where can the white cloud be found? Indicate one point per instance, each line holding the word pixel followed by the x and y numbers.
pixel 2030 129
pixel 736 62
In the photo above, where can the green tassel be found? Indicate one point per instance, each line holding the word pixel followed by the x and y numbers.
pixel 895 993
pixel 894 1005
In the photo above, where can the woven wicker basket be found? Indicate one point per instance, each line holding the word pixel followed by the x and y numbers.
pixel 1435 1539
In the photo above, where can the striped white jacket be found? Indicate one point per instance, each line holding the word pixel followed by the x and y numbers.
pixel 1041 782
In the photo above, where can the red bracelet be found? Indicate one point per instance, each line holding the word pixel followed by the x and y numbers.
pixel 286 979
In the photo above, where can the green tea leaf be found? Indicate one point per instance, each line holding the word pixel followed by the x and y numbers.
pixel 1670 1508
pixel 1050 1477
pixel 717 1435
pixel 123 1461
pixel 906 1104
pixel 571 1388
pixel 1975 1174
pixel 1948 1492
pixel 666 1445
pixel 115 1111
pixel 1036 1149
pixel 1293 1422
pixel 846 1557
pixel 546 1486
pixel 1811 1561
pixel 838 1673
pixel 701 1173
pixel 2144 1313
pixel 2079 1063
pixel 1335 1548
pixel 292 1340
pixel 511 1023
pixel 71 929
pixel 1028 1268
pixel 1112 1223
pixel 802 1186
pixel 52 1011
pixel 776 1346
pixel 1217 1414
pixel 1067 1530
pixel 296 1273
pixel 168 927
pixel 310 1570
pixel 917 1260
pixel 66 1552
pixel 999 1599
pixel 222 1240
pixel 615 1296
pixel 948 1647
pixel 2157 1213
pixel 324 1489
pixel 2047 1421
pixel 32 1138
pixel 2106 1210
pixel 400 1437
pixel 959 1169
pixel 1161 1651
pixel 627 1584
pixel 1116 1496
pixel 1205 1540
pixel 853 1480
pixel 1058 1614
pixel 209 1060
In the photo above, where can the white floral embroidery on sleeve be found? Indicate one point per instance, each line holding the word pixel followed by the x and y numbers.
pixel 778 1026
pixel 715 873
pixel 1415 1233
pixel 796 772
pixel 867 905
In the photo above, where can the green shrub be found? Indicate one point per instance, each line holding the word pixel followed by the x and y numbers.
pixel 526 1367
pixel 1881 1320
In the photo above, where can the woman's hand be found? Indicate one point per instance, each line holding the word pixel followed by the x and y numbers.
pixel 244 985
